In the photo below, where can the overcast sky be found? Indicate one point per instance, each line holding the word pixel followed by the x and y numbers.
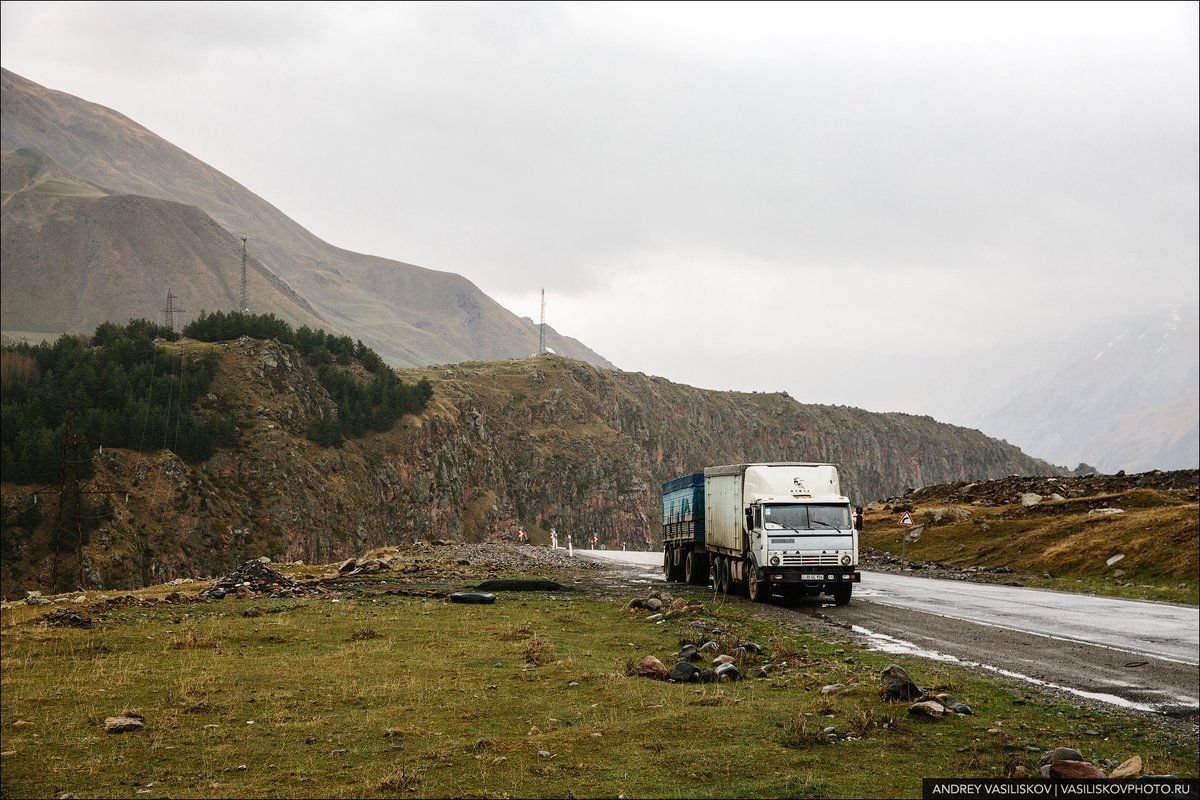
pixel 831 196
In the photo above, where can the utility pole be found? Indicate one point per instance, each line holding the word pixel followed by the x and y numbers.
pixel 542 327
pixel 244 306
pixel 170 311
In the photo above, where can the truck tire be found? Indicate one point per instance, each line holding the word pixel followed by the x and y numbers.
pixel 841 595
pixel 723 575
pixel 754 587
pixel 690 575
pixel 667 568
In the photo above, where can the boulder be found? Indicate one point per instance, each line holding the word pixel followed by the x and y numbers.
pixel 1075 771
pixel 927 708
pixel 685 672
pixel 124 724
pixel 1060 754
pixel 709 647
pixel 728 672
pixel 722 659
pixel 1030 499
pixel 651 667
pixel 347 565
pixel 833 688
pixel 959 708
pixel 654 604
pixel 752 647
pixel 895 684
pixel 1129 768
pixel 690 653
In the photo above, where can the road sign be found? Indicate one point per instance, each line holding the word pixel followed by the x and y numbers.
pixel 906 519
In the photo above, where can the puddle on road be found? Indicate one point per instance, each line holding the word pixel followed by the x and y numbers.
pixel 890 644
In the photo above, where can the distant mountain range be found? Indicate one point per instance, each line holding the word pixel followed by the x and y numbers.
pixel 101 218
pixel 1123 394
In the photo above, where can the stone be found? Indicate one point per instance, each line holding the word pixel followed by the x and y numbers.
pixel 685 672
pixel 651 667
pixel 35 599
pixel 690 653
pixel 1129 768
pixel 722 659
pixel 751 647
pixel 927 708
pixel 709 647
pixel 1030 499
pixel 1075 770
pixel 1061 754
pixel 897 685
pixel 654 604
pixel 253 611
pixel 132 722
pixel 264 560
pixel 728 672
pixel 833 688
pixel 654 618
pixel 347 565
pixel 708 676
pixel 1114 559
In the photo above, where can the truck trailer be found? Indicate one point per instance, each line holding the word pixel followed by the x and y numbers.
pixel 762 529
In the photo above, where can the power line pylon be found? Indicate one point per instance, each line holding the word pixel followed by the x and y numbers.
pixel 244 305
pixel 170 311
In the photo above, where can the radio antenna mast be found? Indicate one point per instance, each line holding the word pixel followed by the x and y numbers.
pixel 542 327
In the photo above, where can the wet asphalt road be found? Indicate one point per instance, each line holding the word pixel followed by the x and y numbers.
pixel 1122 652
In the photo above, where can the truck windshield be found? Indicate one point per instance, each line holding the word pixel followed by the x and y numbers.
pixel 806 517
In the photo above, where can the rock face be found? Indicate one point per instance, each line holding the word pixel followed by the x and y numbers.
pixel 535 443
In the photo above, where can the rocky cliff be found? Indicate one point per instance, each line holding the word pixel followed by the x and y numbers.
pixel 536 443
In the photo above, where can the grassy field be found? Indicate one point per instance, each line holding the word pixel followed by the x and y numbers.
pixel 374 695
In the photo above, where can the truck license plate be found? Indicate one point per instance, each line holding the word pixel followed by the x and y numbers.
pixel 810 577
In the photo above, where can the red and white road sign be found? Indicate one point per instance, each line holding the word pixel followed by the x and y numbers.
pixel 906 519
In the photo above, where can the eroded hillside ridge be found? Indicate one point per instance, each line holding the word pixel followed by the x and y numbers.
pixel 536 443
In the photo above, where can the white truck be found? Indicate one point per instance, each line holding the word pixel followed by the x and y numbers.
pixel 780 528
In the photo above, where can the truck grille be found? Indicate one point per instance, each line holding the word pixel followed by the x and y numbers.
pixel 820 560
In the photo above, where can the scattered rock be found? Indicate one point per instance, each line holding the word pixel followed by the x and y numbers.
pixel 651 667
pixel 654 618
pixel 253 611
pixel 1030 499
pixel 1114 559
pixel 347 565
pixel 685 672
pixel 1061 754
pixel 124 724
pixel 959 708
pixel 654 604
pixel 897 685
pixel 833 688
pixel 728 672
pixel 256 578
pixel 1129 768
pixel 475 598
pixel 1075 770
pixel 35 599
pixel 928 708
pixel 65 618
pixel 690 653
pixel 722 659
pixel 709 647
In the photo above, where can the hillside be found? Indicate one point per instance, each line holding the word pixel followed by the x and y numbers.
pixel 537 443
pixel 74 252
pixel 1135 536
pixel 409 314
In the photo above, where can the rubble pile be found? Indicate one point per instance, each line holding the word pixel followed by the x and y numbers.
pixel 257 578
pixel 1011 490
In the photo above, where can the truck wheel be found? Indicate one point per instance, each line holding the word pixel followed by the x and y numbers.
pixel 841 595
pixel 689 569
pixel 723 570
pixel 667 569
pixel 754 588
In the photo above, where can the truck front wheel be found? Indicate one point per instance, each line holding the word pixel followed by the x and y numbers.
pixel 841 595
pixel 667 568
pixel 690 574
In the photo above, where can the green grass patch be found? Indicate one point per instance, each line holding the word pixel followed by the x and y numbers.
pixel 386 695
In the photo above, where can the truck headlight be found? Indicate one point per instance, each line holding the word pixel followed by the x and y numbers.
pixel 846 560
pixel 774 561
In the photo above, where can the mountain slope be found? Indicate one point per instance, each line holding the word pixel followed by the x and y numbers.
pixel 72 251
pixel 1121 395
pixel 410 314
pixel 536 443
